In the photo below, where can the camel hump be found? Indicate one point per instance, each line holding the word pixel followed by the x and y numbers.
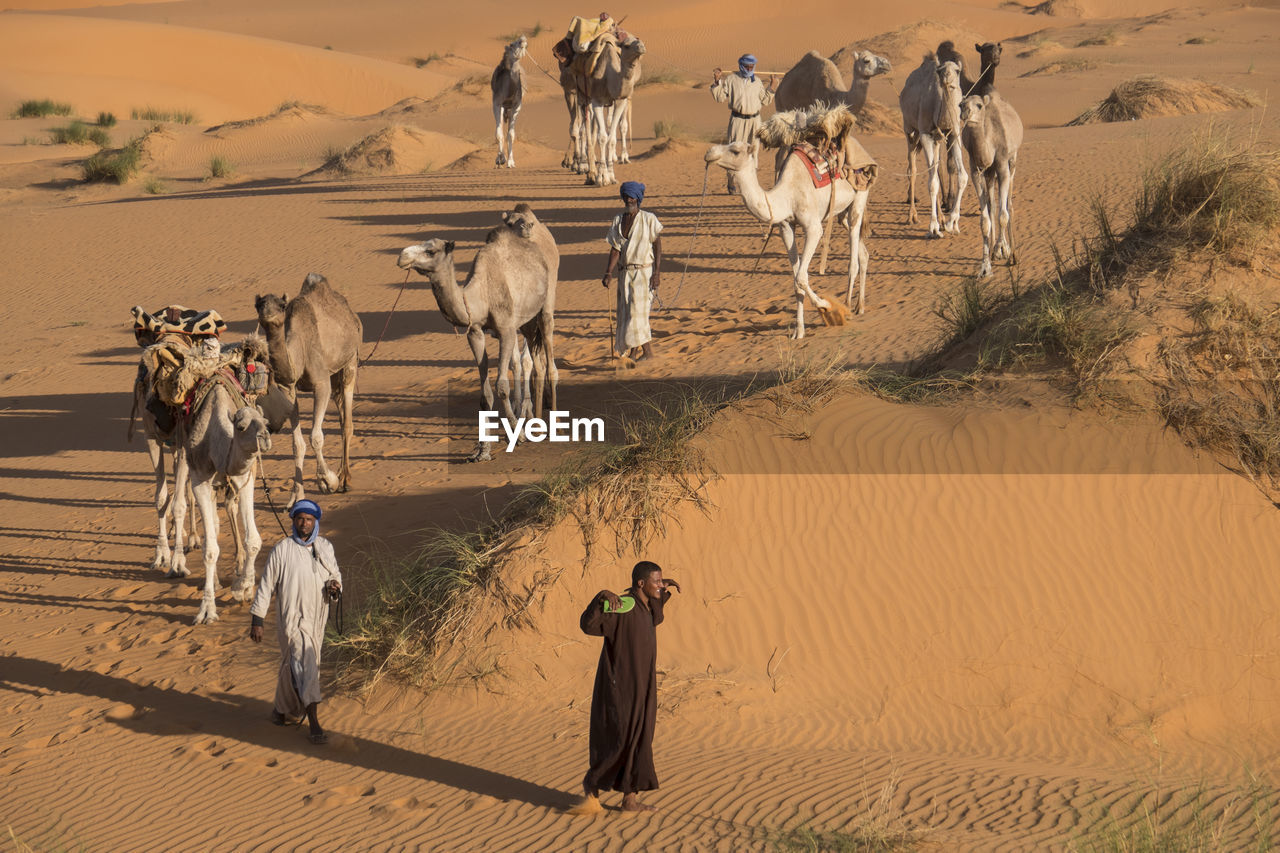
pixel 313 281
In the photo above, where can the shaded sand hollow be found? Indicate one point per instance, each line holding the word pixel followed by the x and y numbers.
pixel 999 626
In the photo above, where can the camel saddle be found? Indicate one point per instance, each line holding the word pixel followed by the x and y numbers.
pixel 850 162
pixel 820 168
pixel 175 320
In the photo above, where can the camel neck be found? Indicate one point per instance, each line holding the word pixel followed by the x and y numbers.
pixel 450 296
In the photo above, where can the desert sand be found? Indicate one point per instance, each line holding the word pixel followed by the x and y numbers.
pixel 998 623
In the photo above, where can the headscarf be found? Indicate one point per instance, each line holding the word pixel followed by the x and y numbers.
pixel 632 189
pixel 745 60
pixel 312 509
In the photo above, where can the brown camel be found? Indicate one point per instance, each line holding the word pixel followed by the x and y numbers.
pixel 313 342
pixel 220 445
pixel 817 79
pixel 601 91
pixel 507 88
pixel 506 293
pixel 526 224
pixel 991 135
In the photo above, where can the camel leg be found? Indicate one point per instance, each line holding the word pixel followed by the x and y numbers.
pixel 475 337
pixel 962 180
pixel 181 475
pixel 320 407
pixel 511 138
pixel 195 540
pixel 163 508
pixel 930 146
pixel 589 131
pixel 208 512
pixel 912 216
pixel 617 113
pixel 547 321
pixel 812 237
pixel 506 352
pixel 624 133
pixel 299 452
pixel 346 416
pixel 1004 249
pixel 242 488
pixel 497 121
pixel 857 252
pixel 981 187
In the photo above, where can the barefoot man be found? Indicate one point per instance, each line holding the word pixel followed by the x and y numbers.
pixel 635 249
pixel 624 704
pixel 302 572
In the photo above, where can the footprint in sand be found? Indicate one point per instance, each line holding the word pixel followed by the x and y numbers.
pixel 343 795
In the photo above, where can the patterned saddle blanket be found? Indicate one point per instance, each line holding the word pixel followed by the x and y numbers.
pixel 819 167
pixel 175 320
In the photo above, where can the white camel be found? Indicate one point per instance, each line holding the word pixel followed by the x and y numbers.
pixel 991 135
pixel 221 444
pixel 794 200
pixel 507 88
pixel 930 103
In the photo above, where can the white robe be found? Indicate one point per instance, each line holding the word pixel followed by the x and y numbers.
pixel 635 268
pixel 296 576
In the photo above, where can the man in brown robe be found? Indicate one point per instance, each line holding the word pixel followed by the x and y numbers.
pixel 624 704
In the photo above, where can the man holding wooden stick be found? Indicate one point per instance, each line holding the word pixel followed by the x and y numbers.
pixel 746 96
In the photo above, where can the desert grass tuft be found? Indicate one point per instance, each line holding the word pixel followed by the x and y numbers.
pixel 154 186
pixel 879 829
pixel 425 608
pixel 41 108
pixel 117 166
pixel 424 61
pixel 1152 95
pixel 153 114
pixel 1104 38
pixel 668 128
pixel 668 76
pixel 106 119
pixel 79 133
pixel 219 167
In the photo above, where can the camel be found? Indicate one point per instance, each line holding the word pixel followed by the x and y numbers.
pixel 816 78
pixel 507 86
pixel 608 90
pixel 930 103
pixel 988 58
pixel 609 85
pixel 507 292
pixel 313 341
pixel 794 200
pixel 526 224
pixel 992 134
pixel 220 443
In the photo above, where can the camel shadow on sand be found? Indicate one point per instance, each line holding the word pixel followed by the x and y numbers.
pixel 244 719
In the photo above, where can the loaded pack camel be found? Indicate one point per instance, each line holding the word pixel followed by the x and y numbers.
pixel 991 135
pixel 509 292
pixel 220 442
pixel 597 91
pixel 507 88
pixel 794 200
pixel 930 104
pixel 313 341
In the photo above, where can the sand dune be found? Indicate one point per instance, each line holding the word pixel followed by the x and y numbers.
pixel 1001 624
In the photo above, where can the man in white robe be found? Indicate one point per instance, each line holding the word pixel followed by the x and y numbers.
pixel 302 573
pixel 635 250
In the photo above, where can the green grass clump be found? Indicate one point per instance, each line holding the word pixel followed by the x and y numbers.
pixel 40 109
pixel 656 77
pixel 1196 819
pixel 117 166
pixel 219 167
pixel 153 114
pixel 667 128
pixel 79 133
pixel 806 839
pixel 154 186
pixel 106 119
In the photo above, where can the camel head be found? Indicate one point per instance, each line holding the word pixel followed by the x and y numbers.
pixel 252 433
pixel 427 259
pixel 520 220
pixel 867 65
pixel 949 82
pixel 972 107
pixel 736 156
pixel 271 310
pixel 632 50
pixel 515 51
pixel 988 54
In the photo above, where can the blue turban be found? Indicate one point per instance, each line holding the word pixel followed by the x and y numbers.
pixel 312 509
pixel 743 61
pixel 632 189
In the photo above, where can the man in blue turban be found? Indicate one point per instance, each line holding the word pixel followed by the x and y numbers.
pixel 302 573
pixel 746 96
pixel 634 239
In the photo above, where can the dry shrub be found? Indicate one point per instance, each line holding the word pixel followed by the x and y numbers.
pixel 877 119
pixel 1062 66
pixel 1152 96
